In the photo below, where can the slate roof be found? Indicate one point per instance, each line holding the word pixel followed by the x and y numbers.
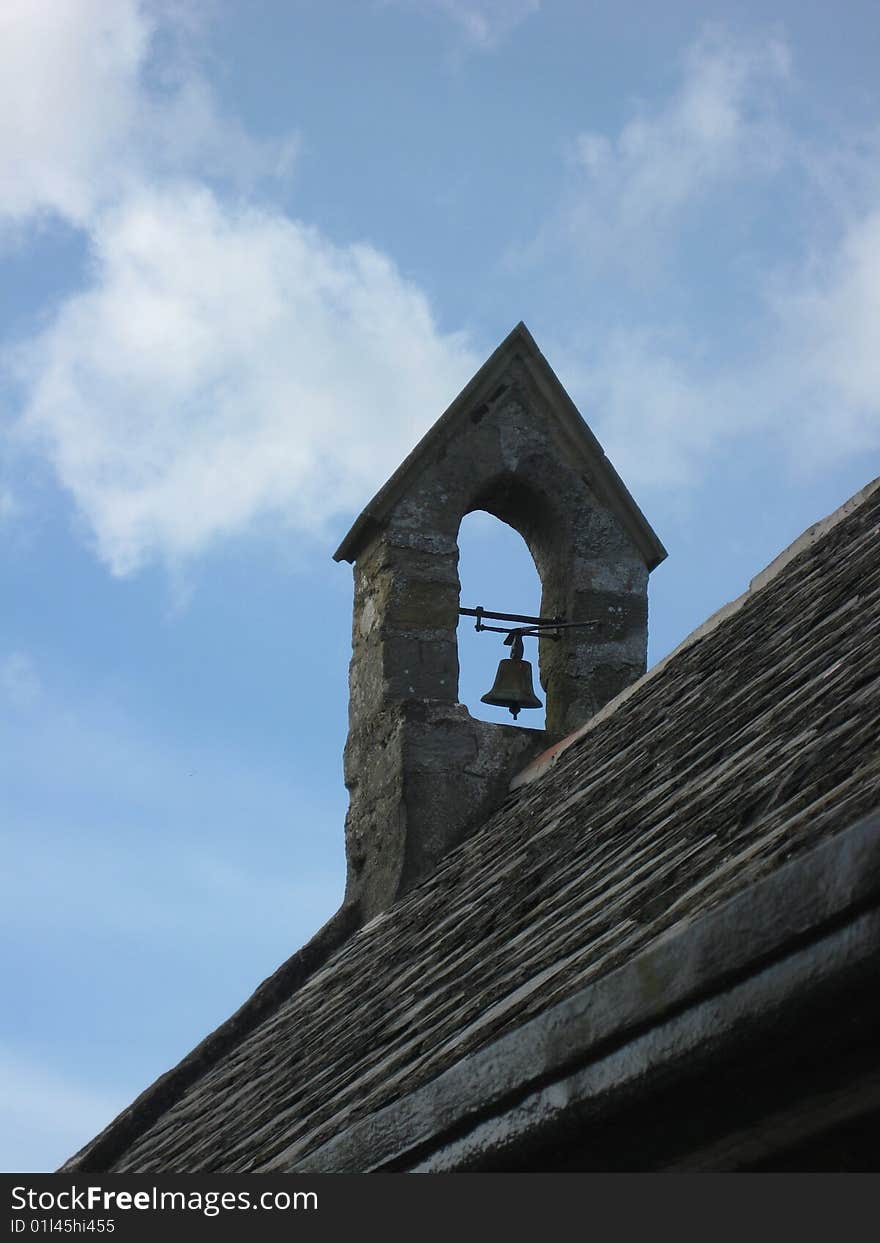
pixel 754 741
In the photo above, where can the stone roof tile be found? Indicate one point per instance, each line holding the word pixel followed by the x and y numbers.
pixel 754 741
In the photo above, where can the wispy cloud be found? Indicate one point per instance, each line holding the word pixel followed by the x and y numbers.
pixel 795 364
pixel 630 191
pixel 660 414
pixel 825 369
pixel 482 23
pixel 666 407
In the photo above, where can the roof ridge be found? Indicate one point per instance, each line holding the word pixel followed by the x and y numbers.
pixel 806 540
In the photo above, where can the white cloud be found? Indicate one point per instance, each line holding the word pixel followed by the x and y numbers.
pixel 803 376
pixel 827 365
pixel 657 413
pixel 81 120
pixel 227 365
pixel 810 390
pixel 631 191
pixel 68 97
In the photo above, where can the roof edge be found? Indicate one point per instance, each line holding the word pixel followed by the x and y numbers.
pixel 812 535
pixel 778 917
pixel 368 520
pixel 101 1152
pixel 608 483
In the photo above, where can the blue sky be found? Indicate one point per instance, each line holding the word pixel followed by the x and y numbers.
pixel 250 253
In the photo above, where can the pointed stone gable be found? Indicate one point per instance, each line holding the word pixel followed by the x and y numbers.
pixel 517 363
pixel 420 770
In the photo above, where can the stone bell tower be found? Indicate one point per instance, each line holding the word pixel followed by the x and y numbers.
pixel 420 771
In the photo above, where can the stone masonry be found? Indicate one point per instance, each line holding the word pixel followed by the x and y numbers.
pixel 420 771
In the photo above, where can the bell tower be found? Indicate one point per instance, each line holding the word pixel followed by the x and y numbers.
pixel 421 772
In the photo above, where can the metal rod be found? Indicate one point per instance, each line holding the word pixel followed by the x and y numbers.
pixel 563 625
pixel 539 631
pixel 479 612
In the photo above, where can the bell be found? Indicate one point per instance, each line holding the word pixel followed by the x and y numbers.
pixel 513 683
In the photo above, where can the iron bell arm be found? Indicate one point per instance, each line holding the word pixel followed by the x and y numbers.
pixel 540 626
pixel 541 632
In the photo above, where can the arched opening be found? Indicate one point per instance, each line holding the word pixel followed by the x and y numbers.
pixel 496 571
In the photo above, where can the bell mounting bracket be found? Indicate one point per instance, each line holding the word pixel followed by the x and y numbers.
pixel 538 626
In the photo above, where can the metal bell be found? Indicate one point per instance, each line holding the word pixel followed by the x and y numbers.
pixel 513 683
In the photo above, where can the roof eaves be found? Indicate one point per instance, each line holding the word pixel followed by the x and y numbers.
pixel 825 901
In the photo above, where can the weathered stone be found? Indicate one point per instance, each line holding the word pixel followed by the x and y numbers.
pixel 420 770
pixel 424 603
